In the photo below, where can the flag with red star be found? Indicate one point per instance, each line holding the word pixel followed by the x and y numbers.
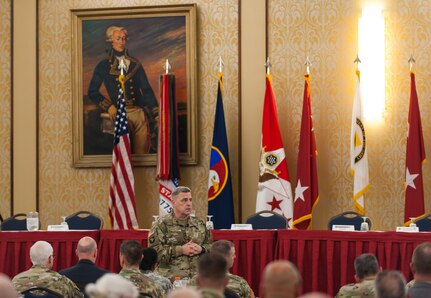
pixel 307 191
pixel 415 156
pixel 274 190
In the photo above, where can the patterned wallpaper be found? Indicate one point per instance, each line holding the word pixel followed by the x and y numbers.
pixel 326 31
pixel 64 189
pixel 5 108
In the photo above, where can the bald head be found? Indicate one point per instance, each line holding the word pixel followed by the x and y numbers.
pixel 281 279
pixel 6 288
pixel 87 249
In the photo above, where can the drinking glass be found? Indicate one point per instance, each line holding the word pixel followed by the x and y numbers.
pixel 32 221
pixel 364 224
pixel 412 222
pixel 210 223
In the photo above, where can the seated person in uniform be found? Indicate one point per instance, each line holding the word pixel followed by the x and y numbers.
pixel 366 268
pixel 130 258
pixel 390 284
pixel 147 266
pixel 212 276
pixel 41 275
pixel 236 284
pixel 281 279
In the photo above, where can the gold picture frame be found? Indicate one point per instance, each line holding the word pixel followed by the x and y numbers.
pixel 153 34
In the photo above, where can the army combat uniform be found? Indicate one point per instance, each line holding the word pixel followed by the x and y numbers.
pixel 366 288
pixel 146 286
pixel 236 284
pixel 162 281
pixel 44 277
pixel 168 234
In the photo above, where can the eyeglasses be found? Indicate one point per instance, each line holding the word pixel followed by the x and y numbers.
pixel 53 255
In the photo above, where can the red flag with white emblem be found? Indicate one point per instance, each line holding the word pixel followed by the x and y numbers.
pixel 415 156
pixel 307 190
pixel 274 190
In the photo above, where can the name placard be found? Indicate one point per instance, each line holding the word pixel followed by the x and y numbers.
pixel 343 227
pixel 408 229
pixel 241 227
pixel 58 228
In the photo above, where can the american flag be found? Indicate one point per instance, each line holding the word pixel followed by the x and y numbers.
pixel 122 207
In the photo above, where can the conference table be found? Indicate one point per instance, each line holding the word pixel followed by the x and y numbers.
pixel 324 258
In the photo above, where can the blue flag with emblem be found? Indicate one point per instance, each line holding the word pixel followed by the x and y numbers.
pixel 220 198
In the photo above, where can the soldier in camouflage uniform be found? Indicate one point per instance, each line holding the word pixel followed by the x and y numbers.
pixel 147 266
pixel 41 275
pixel 236 284
pixel 366 268
pixel 130 257
pixel 179 238
pixel 212 275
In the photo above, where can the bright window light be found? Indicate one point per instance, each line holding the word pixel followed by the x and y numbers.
pixel 372 54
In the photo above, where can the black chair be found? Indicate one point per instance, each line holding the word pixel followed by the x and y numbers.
pixel 424 223
pixel 84 220
pixel 40 292
pixel 348 218
pixel 17 222
pixel 267 220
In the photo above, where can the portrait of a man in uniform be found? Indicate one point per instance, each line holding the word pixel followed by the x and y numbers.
pixel 143 44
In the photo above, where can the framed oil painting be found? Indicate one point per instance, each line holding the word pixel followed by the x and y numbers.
pixel 143 38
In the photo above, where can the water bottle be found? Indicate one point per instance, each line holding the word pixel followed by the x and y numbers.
pixel 33 221
pixel 177 284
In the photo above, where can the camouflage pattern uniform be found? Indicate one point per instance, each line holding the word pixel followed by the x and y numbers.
pixel 358 290
pixel 162 281
pixel 236 284
pixel 168 234
pixel 44 277
pixel 211 293
pixel 146 286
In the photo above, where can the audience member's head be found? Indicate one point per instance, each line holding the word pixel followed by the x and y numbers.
pixel 366 265
pixel 390 284
pixel 184 293
pixel 226 249
pixel 212 272
pixel 421 262
pixel 130 254
pixel 281 279
pixel 112 285
pixel 150 259
pixel 87 249
pixel 41 254
pixel 6 288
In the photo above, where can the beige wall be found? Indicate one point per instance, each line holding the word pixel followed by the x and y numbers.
pixel 326 30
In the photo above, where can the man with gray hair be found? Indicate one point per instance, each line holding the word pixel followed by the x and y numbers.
pixel 391 284
pixel 85 271
pixel 112 286
pixel 41 275
pixel 179 238
pixel 366 268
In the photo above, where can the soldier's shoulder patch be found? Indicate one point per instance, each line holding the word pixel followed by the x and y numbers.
pixel 151 239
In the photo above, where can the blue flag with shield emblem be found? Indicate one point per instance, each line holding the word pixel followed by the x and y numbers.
pixel 220 198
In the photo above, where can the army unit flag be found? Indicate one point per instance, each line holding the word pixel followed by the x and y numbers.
pixel 358 152
pixel 122 207
pixel 307 189
pixel 274 190
pixel 168 168
pixel 220 198
pixel 415 156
